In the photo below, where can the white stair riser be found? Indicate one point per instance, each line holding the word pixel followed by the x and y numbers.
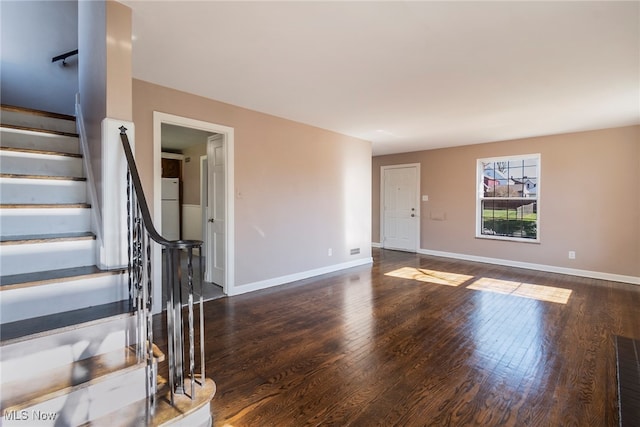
pixel 24 303
pixel 14 190
pixel 40 164
pixel 87 403
pixel 19 222
pixel 29 258
pixel 38 122
pixel 39 141
pixel 30 358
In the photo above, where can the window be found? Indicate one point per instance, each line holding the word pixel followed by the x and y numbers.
pixel 508 193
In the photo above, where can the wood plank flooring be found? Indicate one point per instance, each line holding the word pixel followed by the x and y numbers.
pixel 419 347
pixel 628 359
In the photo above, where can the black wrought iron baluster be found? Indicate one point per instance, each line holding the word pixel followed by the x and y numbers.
pixel 138 243
pixel 129 231
pixel 201 266
pixel 190 302
pixel 151 363
pixel 178 326
pixel 170 320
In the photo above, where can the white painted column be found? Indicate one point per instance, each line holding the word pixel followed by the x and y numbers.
pixel 113 248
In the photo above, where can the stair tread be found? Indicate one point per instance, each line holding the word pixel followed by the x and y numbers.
pixel 44 152
pixel 45 238
pixel 35 112
pixel 38 130
pixel 52 276
pixel 137 413
pixel 44 205
pixel 52 177
pixel 37 326
pixel 24 393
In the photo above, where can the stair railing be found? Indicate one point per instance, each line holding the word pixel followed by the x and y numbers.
pixel 86 163
pixel 64 57
pixel 141 232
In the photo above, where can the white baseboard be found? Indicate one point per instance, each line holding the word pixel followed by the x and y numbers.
pixel 540 267
pixel 276 281
pixel 376 245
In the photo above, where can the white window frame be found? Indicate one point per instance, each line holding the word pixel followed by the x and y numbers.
pixel 480 196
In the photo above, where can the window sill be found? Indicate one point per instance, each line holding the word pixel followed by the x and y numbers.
pixel 508 239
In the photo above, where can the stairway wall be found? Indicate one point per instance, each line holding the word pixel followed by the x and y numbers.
pixel 44 29
pixel 104 79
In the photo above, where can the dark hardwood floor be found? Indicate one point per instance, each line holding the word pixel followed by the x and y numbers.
pixel 438 342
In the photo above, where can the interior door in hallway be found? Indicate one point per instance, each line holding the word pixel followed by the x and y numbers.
pixel 215 246
pixel 400 207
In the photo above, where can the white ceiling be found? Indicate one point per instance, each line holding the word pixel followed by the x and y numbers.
pixel 177 138
pixel 405 75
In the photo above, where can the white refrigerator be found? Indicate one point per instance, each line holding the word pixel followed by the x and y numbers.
pixel 170 208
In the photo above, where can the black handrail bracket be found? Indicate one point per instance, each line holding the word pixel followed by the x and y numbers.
pixel 63 57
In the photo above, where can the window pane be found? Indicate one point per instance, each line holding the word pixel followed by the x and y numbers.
pixel 495 179
pixel 510 218
pixel 513 178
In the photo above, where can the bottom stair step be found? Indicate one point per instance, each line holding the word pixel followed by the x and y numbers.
pixel 50 342
pixel 76 393
pixel 24 393
pixel 184 412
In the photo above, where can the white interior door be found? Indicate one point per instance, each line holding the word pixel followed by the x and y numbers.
pixel 204 206
pixel 400 226
pixel 215 247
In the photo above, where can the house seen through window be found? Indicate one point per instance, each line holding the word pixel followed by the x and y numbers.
pixel 508 193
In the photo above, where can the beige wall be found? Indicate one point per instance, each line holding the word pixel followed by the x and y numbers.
pixel 299 190
pixel 119 61
pixel 191 173
pixel 589 200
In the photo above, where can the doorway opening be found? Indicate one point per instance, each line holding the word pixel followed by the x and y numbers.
pixel 190 141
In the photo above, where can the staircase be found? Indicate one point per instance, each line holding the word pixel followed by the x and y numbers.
pixel 47 249
pixel 68 351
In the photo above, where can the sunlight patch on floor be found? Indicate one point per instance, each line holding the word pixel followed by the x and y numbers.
pixel 524 290
pixel 430 276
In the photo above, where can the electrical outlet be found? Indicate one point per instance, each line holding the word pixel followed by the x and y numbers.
pixel 329 252
pixel 572 254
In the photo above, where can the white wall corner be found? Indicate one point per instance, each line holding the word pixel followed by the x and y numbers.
pixel 113 248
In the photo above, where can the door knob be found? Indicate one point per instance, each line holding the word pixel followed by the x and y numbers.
pixel 412 215
pixel 211 220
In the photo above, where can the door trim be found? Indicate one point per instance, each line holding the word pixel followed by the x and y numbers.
pixel 228 133
pixel 383 169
